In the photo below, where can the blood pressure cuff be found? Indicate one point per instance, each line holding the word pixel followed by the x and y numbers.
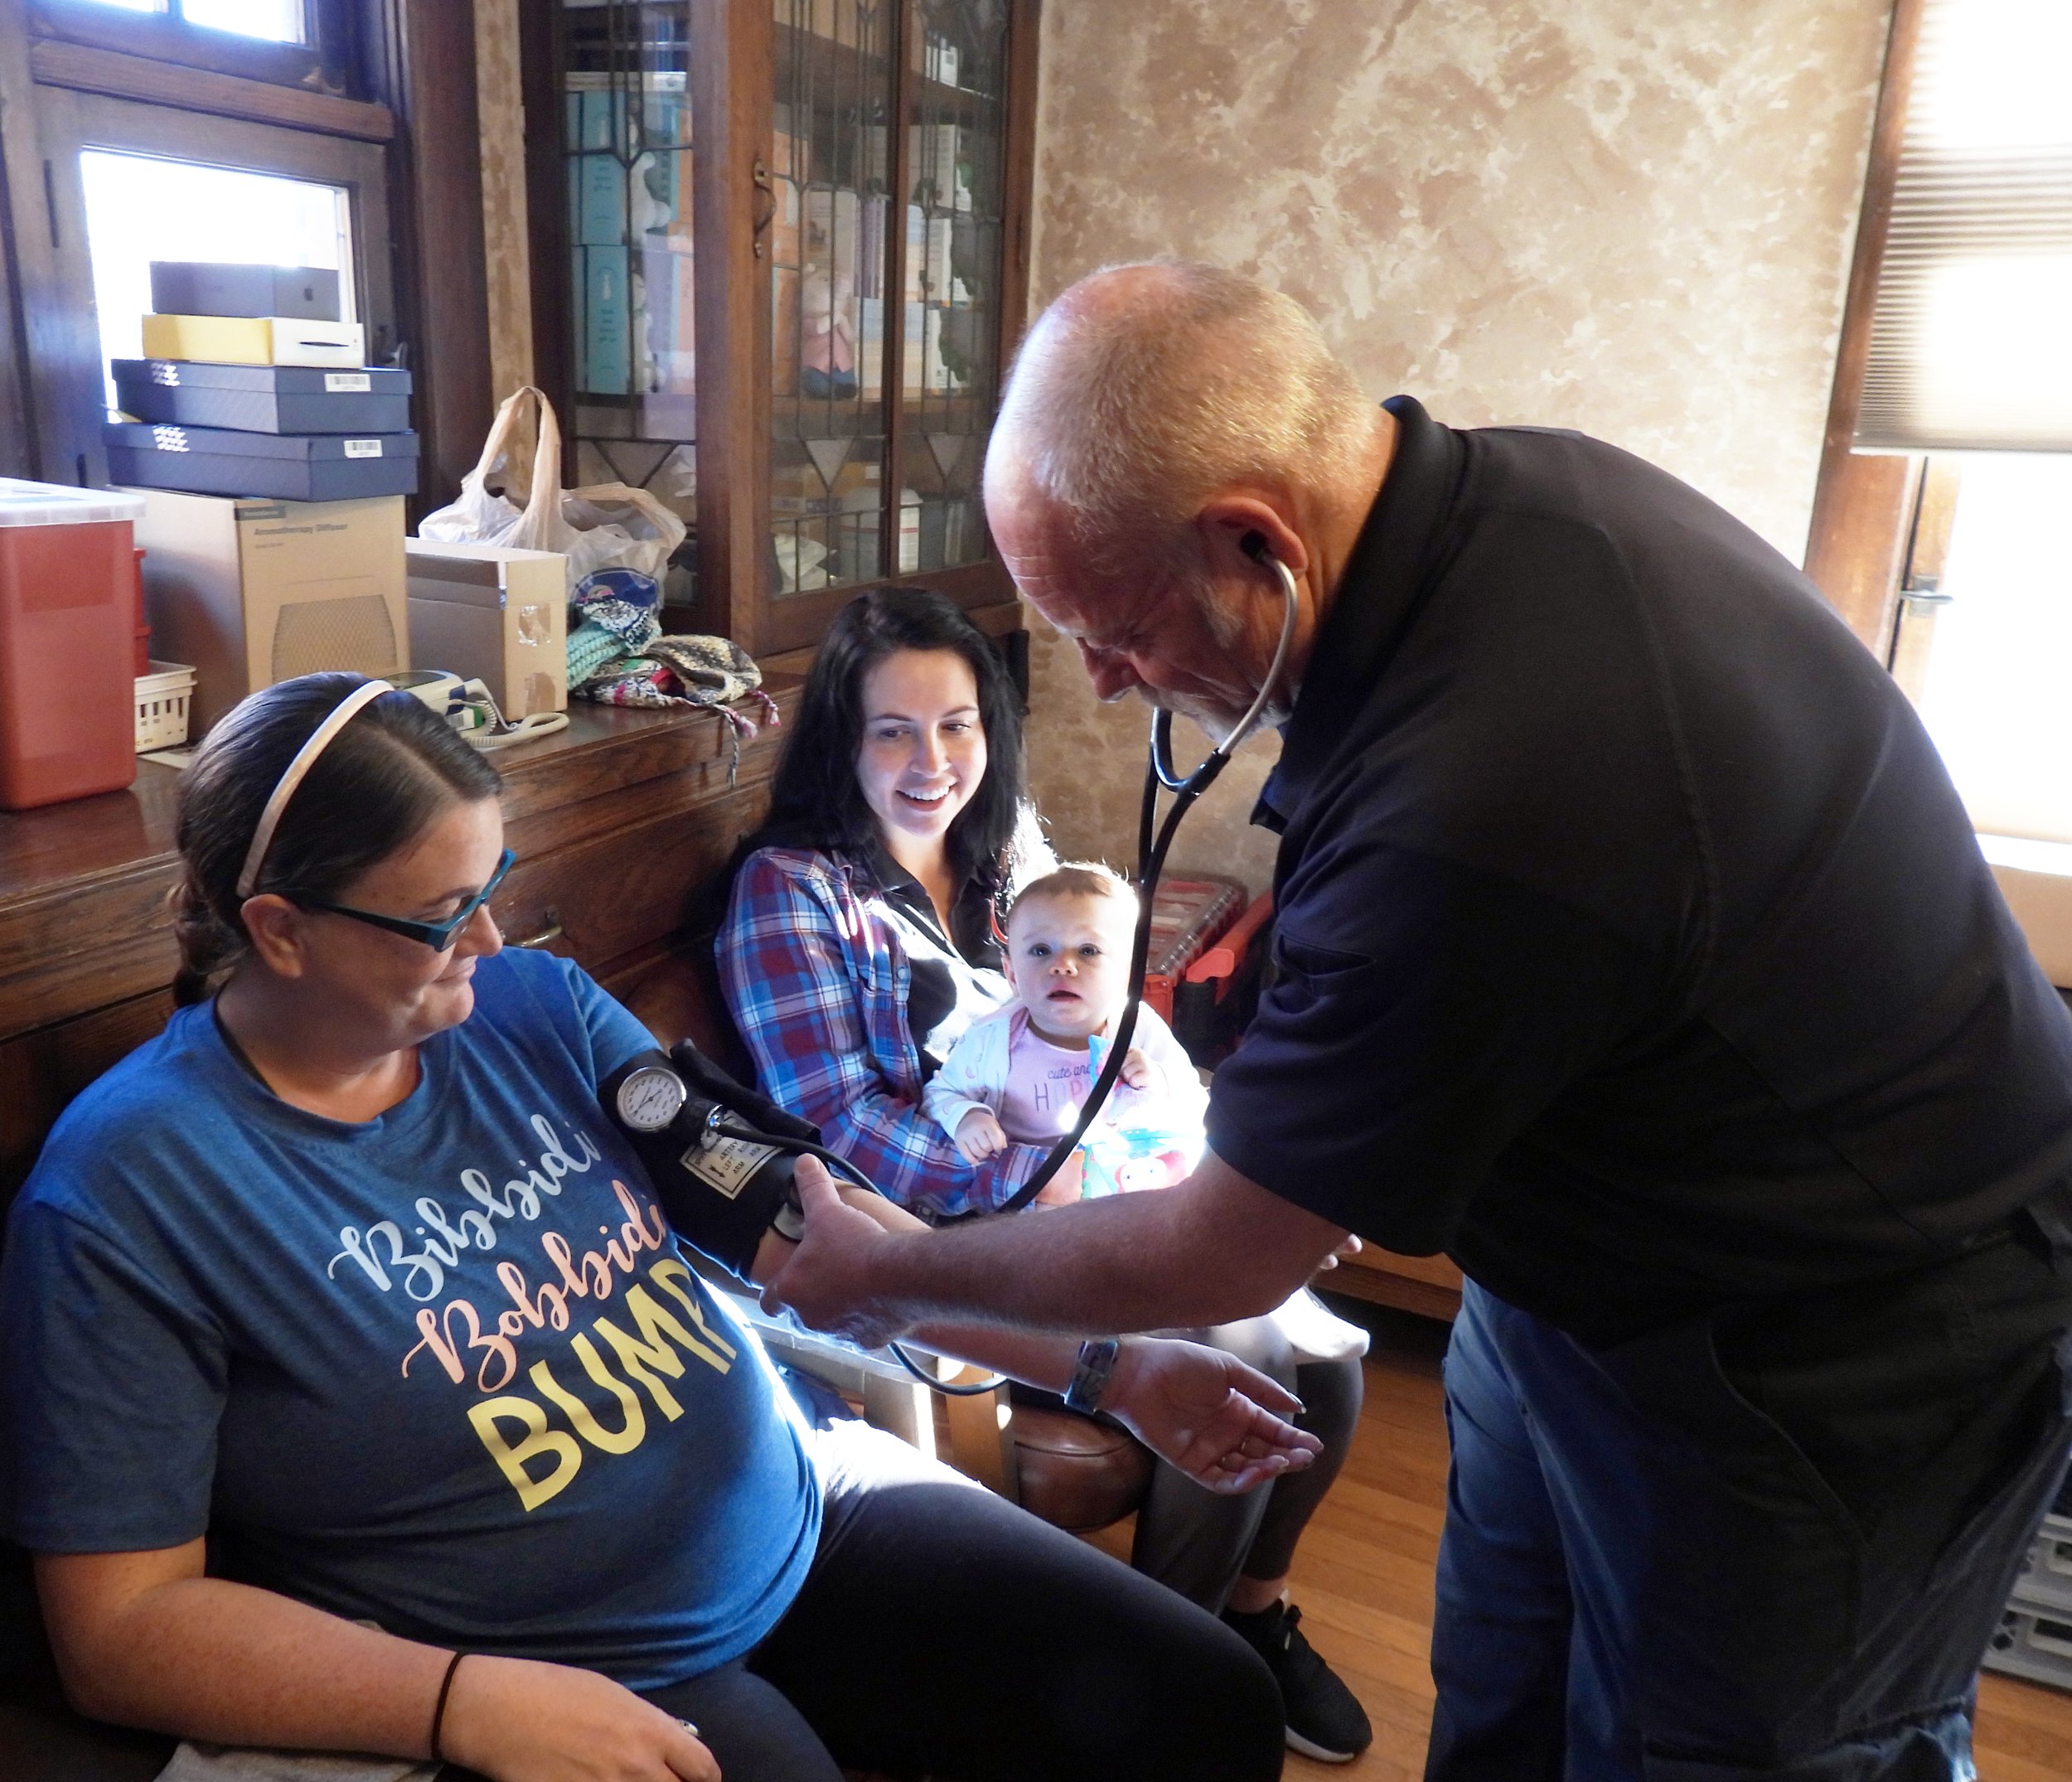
pixel 720 1194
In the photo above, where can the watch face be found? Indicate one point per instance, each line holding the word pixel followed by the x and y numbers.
pixel 649 1099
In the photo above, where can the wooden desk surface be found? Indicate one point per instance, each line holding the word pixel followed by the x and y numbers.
pixel 84 920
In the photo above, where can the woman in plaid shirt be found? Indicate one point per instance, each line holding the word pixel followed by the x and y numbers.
pixel 860 942
pixel 859 939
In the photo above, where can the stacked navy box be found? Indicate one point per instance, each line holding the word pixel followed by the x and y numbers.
pixel 289 432
pixel 2035 1636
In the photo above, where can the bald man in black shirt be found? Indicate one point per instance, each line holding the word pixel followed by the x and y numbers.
pixel 1634 949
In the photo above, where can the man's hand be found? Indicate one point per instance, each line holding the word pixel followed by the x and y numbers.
pixel 1219 1421
pixel 826 1280
pixel 518 1721
pixel 980 1135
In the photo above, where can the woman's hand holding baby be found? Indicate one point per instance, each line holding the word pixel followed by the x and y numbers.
pixel 979 1136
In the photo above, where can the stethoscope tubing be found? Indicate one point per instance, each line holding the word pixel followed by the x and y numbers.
pixel 1152 849
pixel 1154 841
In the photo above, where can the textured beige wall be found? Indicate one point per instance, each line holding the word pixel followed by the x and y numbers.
pixel 1626 216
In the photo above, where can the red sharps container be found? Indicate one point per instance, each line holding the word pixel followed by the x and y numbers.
pixel 67 580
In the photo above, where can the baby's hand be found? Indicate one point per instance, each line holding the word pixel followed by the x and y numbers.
pixel 979 1136
pixel 1138 1071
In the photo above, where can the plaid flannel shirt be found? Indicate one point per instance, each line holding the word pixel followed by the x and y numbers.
pixel 816 974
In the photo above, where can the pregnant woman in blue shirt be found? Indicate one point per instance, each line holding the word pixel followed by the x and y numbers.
pixel 361 1398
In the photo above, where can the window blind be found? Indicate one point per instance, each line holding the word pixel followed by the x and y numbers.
pixel 1971 336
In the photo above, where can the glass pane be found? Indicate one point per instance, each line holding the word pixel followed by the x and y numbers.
pixel 956 201
pixel 830 183
pixel 627 141
pixel 135 6
pixel 276 21
pixel 141 208
pixel 2001 650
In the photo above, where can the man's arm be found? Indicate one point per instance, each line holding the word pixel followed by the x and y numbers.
pixel 1220 1422
pixel 1216 1247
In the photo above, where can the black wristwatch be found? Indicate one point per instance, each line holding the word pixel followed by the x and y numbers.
pixel 1090 1377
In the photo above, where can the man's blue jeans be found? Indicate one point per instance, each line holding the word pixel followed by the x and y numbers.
pixel 1643 1575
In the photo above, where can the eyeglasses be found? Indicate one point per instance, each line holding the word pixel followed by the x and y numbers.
pixel 439 935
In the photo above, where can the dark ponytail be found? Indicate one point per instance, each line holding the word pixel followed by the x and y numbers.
pixel 393 769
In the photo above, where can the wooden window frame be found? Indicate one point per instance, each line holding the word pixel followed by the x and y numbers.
pixel 1865 505
pixel 332 61
pixel 401 95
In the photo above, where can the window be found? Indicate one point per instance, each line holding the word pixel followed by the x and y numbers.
pixel 274 21
pixel 1941 529
pixel 142 208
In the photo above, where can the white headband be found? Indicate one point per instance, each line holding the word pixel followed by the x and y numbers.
pixel 341 714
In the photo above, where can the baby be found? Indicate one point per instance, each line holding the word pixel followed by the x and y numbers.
pixel 1023 1073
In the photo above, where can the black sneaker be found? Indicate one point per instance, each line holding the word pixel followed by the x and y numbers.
pixel 1324 1719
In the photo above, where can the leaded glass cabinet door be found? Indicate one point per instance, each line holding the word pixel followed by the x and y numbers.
pixel 780 254
pixel 899 152
pixel 631 322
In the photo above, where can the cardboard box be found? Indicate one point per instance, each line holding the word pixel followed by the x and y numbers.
pixel 202 287
pixel 265 399
pixel 870 345
pixel 787 156
pixel 600 200
pixel 492 615
pixel 256 340
pixel 784 338
pixel 834 224
pixel 284 466
pixel 669 282
pixel 607 322
pixel 252 592
pixel 784 237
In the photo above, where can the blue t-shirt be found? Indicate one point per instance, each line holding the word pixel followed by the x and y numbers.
pixel 445 1370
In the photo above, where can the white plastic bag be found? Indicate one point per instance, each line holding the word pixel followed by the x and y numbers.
pixel 608 525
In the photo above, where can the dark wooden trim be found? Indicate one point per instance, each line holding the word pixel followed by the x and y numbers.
pixel 547 222
pixel 435 197
pixel 899 166
pixel 86 70
pixel 1024 27
pixel 1004 621
pixel 1856 543
pixel 26 237
pixel 160 37
pixel 791 622
pixel 731 83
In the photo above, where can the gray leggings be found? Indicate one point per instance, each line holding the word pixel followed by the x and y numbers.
pixel 1196 1543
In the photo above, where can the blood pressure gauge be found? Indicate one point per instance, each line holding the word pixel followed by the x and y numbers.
pixel 651 1097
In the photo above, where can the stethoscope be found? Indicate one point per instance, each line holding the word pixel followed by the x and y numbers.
pixel 1155 840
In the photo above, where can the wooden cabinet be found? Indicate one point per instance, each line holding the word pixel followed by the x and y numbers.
pixel 619 824
pixel 780 258
pixel 1429 1285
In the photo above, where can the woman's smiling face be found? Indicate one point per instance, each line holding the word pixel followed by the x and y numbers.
pixel 923 749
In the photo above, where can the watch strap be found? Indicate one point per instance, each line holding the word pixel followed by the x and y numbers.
pixel 1090 1377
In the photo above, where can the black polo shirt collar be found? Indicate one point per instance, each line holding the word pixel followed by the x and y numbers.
pixel 1390 564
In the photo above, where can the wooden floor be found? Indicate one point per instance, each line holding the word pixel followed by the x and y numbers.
pixel 1363 1581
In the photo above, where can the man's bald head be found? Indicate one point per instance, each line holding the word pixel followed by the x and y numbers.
pixel 1146 389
